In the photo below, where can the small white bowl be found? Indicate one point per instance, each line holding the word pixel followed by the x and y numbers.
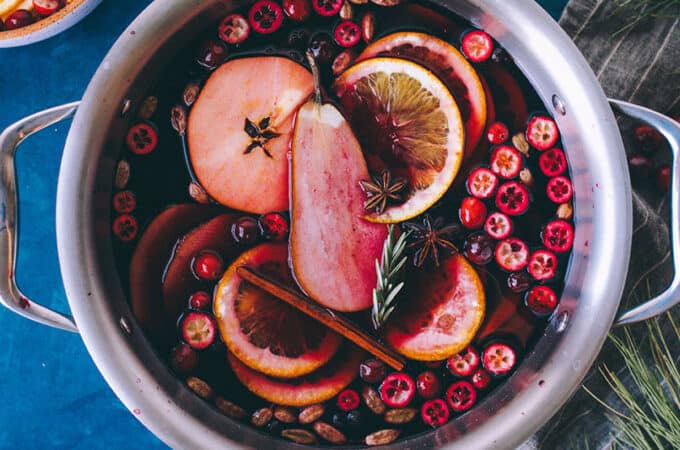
pixel 63 19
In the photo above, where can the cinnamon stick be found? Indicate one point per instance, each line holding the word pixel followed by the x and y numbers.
pixel 334 321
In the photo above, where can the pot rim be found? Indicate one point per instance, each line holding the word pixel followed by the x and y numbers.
pixel 573 338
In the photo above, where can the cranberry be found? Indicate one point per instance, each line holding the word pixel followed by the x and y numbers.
pixel 322 48
pixel 397 390
pixel 234 29
pixel 640 167
pixel 245 230
pixel 541 300
pixel 512 198
pixel 142 138
pixel 542 265
pixel 428 385
pixel 184 359
pixel 479 249
pixel 464 363
pixel 348 400
pixel 499 358
pixel 435 413
pixel 198 329
pixel 200 300
pixel 477 46
pixel 46 7
pixel 125 227
pixel 265 16
pixel 506 161
pixel 124 202
pixel 472 213
pixel 211 54
pixel 327 8
pixel 480 379
pixel 461 395
pixel 497 133
pixel 558 236
pixel 552 162
pixel 559 190
pixel 512 254
pixel 482 183
pixel 347 34
pixel 207 265
pixel 372 371
pixel 273 226
pixel 647 138
pixel 519 282
pixel 542 132
pixel 298 10
pixel 18 19
pixel 498 225
pixel 663 178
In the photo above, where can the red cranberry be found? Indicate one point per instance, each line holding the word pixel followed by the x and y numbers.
pixel 327 8
pixel 482 183
pixel 480 379
pixel 18 19
pixel 184 359
pixel 647 138
pixel 559 190
pixel 512 198
pixel 207 265
pixel 124 202
pixel 558 236
pixel 200 300
pixel 640 167
pixel 322 48
pixel 512 254
pixel 542 132
pixel 472 212
pixel 461 395
pixel 497 133
pixel 499 358
pixel 46 7
pixel 245 230
pixel 372 371
pixel 298 10
pixel 211 54
pixel 435 413
pixel 265 16
pixel 273 226
pixel 464 363
pixel 663 178
pixel 519 282
pixel 552 162
pixel 347 34
pixel 498 225
pixel 125 227
pixel 428 385
pixel 506 161
pixel 541 300
pixel 542 265
pixel 348 400
pixel 477 46
pixel 234 29
pixel 397 390
pixel 479 249
pixel 198 329
pixel 142 138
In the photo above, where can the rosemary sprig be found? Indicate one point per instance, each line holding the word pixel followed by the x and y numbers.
pixel 389 269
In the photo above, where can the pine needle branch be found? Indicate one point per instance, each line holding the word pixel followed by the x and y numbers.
pixel 389 284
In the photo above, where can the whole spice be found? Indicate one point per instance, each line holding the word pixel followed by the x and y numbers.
pixel 230 409
pixel 367 27
pixel 381 190
pixel 386 2
pixel 198 193
pixel 261 417
pixel 299 436
pixel 519 141
pixel 342 61
pixel 200 387
pixel 178 119
pixel 382 437
pixel 122 174
pixel 430 238
pixel 329 433
pixel 372 400
pixel 346 11
pixel 285 414
pixel 148 108
pixel 389 268
pixel 564 211
pixel 190 93
pixel 311 413
pixel 358 2
pixel 400 416
pixel 526 177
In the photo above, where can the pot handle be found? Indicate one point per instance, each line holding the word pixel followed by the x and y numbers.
pixel 670 129
pixel 10 295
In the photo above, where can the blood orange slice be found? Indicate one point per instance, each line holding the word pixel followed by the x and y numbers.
pixel 407 121
pixel 444 316
pixel 239 129
pixel 316 387
pixel 446 62
pixel 263 332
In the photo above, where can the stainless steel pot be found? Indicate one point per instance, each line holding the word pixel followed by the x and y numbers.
pixel 547 376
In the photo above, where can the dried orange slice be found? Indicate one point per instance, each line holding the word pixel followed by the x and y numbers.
pixel 263 332
pixel 444 316
pixel 407 121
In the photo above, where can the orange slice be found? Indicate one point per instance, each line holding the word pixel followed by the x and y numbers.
pixel 407 121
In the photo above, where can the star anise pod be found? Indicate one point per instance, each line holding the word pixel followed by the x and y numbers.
pixel 431 238
pixel 381 190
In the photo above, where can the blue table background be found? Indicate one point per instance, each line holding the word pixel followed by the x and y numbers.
pixel 51 394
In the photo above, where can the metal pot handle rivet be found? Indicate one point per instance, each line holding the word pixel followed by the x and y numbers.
pixel 10 295
pixel 670 129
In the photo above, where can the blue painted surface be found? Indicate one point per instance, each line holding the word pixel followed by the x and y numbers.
pixel 51 394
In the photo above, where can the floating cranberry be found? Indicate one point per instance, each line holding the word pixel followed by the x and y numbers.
pixel 482 183
pixel 428 385
pixel 200 300
pixel 198 329
pixel 211 54
pixel 558 236
pixel 124 202
pixel 479 249
pixel 472 212
pixel 499 358
pixel 298 10
pixel 46 7
pixel 542 132
pixel 372 371
pixel 477 46
pixel 480 379
pixel 497 133
pixel 397 390
pixel 348 400
pixel 559 189
pixel 552 162
pixel 125 227
pixel 464 363
pixel 640 167
pixel 273 226
pixel 245 230
pixel 512 198
pixel 435 413
pixel 234 29
pixel 541 300
pixel 184 359
pixel 542 265
pixel 207 265
pixel 18 19
pixel 461 396
pixel 647 138
pixel 519 282
pixel 512 254
pixel 663 178
pixel 506 161
pixel 265 16
pixel 142 138
pixel 327 8
pixel 347 34
pixel 498 225
pixel 322 48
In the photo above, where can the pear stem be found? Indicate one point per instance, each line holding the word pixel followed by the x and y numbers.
pixel 317 77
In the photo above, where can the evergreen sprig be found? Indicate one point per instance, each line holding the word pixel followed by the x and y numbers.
pixel 635 11
pixel 389 283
